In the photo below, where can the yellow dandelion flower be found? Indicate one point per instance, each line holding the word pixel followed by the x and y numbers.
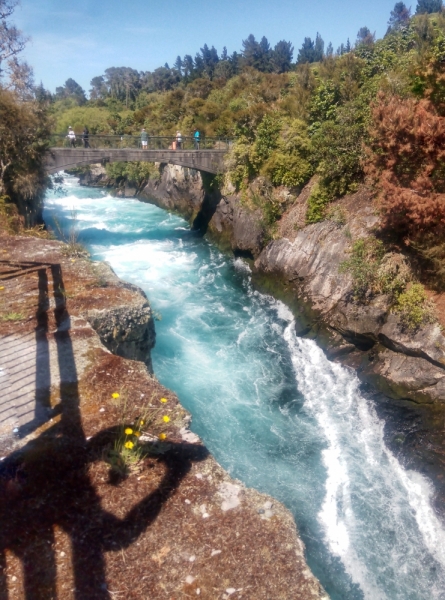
pixel 162 436
pixel 129 431
pixel 166 418
pixel 115 395
pixel 164 400
pixel 142 422
pixel 137 433
pixel 2 287
pixel 129 445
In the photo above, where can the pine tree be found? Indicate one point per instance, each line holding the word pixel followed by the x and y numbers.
pixel 329 50
pixel 281 57
pixel 234 61
pixel 264 55
pixel 198 66
pixel 71 89
pixel 428 6
pixel 187 66
pixel 98 88
pixel 365 37
pixel 306 52
pixel 399 16
pixel 318 48
pixel 348 46
pixel 178 66
pixel 251 51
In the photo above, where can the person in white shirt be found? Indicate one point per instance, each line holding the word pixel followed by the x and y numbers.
pixel 71 137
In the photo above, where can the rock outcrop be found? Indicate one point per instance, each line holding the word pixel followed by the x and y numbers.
pixel 303 263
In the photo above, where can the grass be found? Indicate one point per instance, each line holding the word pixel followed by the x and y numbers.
pixel 129 448
pixel 72 249
pixel 12 316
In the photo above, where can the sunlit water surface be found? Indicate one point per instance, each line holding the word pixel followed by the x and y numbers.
pixel 269 406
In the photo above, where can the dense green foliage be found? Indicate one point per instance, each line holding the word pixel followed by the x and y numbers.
pixel 414 307
pixel 375 271
pixel 290 121
pixel 135 172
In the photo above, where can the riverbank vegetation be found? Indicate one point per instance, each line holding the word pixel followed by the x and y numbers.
pixel 25 127
pixel 370 112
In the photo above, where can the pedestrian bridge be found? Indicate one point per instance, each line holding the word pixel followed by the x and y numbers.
pixel 207 155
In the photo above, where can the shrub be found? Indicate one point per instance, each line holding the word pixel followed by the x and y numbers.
pixel 287 169
pixel 366 258
pixel 317 204
pixel 337 215
pixel 414 307
pixel 406 160
pixel 393 274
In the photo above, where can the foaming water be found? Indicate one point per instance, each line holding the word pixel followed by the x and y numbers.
pixel 269 405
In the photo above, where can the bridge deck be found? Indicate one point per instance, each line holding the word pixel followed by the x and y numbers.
pixel 210 161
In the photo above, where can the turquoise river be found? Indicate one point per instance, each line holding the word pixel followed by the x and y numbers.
pixel 270 407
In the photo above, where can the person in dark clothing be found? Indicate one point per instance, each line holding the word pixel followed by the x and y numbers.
pixel 86 137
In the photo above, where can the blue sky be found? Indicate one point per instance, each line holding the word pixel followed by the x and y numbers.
pixel 81 38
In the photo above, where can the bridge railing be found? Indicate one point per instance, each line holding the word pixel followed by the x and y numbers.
pixel 60 140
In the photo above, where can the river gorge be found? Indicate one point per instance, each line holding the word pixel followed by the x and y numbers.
pixel 271 408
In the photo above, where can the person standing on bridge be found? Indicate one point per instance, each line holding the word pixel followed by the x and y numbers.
pixel 71 137
pixel 144 139
pixel 86 137
pixel 178 140
pixel 196 139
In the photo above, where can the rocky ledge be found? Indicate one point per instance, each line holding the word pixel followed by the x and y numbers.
pixel 172 525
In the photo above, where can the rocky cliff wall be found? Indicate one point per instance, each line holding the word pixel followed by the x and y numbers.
pixel 401 369
pixel 303 262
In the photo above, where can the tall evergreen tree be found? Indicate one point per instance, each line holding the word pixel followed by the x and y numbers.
pixel 198 70
pixel 98 89
pixel 365 37
pixel 251 51
pixel 224 55
pixel 210 59
pixel 42 95
pixel 264 56
pixel 281 57
pixel 71 89
pixel 348 46
pixel 318 48
pixel 178 66
pixel 234 60
pixel 399 16
pixel 428 6
pixel 329 50
pixel 188 66
pixel 306 52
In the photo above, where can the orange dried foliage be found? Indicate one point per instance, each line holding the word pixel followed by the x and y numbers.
pixel 406 162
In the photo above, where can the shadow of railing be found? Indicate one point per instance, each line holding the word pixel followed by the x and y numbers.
pixel 46 484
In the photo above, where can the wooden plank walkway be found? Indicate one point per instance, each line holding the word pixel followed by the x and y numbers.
pixel 18 377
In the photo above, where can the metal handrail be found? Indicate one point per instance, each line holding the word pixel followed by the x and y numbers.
pixel 60 140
